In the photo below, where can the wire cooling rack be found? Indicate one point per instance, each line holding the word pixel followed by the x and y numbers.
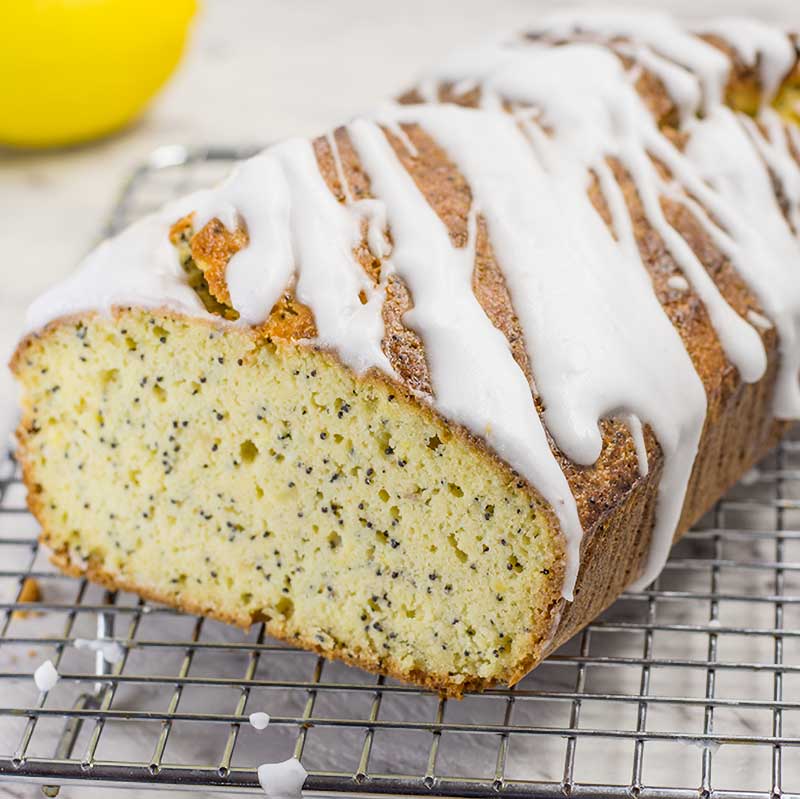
pixel 688 689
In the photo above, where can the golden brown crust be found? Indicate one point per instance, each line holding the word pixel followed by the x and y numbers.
pixel 212 248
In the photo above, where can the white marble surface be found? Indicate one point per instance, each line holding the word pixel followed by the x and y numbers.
pixel 255 71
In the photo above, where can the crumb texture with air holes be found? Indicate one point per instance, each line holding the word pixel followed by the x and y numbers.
pixel 252 481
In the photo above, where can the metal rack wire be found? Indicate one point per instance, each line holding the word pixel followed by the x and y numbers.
pixel 687 689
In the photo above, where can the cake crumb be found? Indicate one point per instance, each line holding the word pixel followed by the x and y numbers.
pixel 30 592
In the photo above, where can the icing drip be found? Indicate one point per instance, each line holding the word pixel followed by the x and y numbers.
pixel 637 433
pixel 572 283
pixel 659 33
pixel 587 102
pixel 758 45
pixel 596 112
pixel 476 381
pixel 763 248
pixel 259 720
pixel 774 149
pixel 680 84
pixel 297 228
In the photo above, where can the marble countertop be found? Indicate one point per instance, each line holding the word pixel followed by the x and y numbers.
pixel 255 71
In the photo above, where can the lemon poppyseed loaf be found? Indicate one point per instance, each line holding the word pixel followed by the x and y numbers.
pixel 429 392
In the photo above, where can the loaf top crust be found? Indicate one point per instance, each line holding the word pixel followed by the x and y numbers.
pixel 574 244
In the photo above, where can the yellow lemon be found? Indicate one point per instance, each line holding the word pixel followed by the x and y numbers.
pixel 72 70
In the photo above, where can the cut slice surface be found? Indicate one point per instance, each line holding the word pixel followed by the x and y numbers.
pixel 252 480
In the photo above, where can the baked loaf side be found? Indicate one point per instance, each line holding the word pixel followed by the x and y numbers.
pixel 372 390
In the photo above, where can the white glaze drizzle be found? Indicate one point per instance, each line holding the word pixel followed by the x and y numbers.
pixel 543 78
pixel 590 103
pixel 569 289
pixel 764 250
pixel 758 45
pixel 337 165
pixel 595 334
pixel 680 84
pixel 637 434
pixel 137 267
pixel 476 381
pixel 298 229
pixel 774 149
pixel 678 283
pixel 660 33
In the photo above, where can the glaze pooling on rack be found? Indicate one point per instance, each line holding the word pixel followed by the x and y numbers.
pixel 599 342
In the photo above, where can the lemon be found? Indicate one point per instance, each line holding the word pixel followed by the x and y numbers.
pixel 72 70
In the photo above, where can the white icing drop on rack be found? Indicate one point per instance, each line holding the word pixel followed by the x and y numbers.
pixel 111 650
pixel 282 780
pixel 599 342
pixel 46 676
pixel 259 720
